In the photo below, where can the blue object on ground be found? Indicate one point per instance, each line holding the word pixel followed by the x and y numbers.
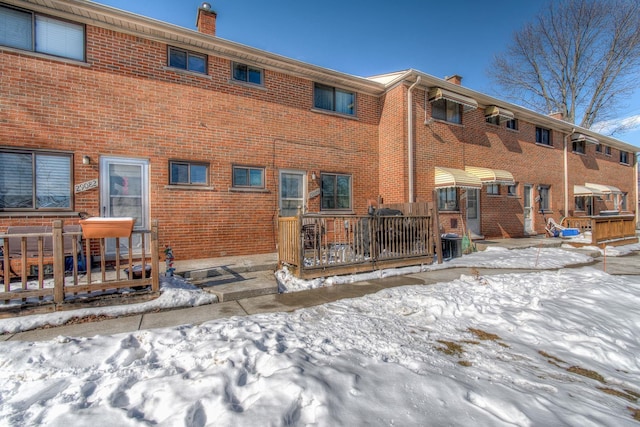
pixel 568 232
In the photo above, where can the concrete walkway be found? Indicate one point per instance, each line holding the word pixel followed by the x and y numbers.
pixel 258 270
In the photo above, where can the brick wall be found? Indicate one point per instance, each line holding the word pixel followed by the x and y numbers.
pixel 125 102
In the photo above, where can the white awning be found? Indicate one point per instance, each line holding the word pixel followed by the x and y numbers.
pixel 437 93
pixel 586 138
pixel 491 176
pixel 605 189
pixel 495 111
pixel 582 191
pixel 447 177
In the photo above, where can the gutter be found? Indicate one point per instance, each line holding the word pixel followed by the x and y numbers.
pixel 410 142
pixel 566 172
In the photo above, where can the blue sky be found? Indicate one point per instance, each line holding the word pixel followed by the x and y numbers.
pixel 365 38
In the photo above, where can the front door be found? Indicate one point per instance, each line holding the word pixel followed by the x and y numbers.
pixel 292 192
pixel 473 212
pixel 124 192
pixel 528 209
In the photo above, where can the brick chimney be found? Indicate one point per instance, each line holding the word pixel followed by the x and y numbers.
pixel 455 79
pixel 557 115
pixel 206 21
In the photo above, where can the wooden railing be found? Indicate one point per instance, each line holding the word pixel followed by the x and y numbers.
pixel 63 287
pixel 315 245
pixel 606 230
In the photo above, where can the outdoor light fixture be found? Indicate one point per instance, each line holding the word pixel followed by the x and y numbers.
pixel 86 160
pixel 313 175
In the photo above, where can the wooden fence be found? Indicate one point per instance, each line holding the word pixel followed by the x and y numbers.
pixel 314 245
pixel 62 287
pixel 605 230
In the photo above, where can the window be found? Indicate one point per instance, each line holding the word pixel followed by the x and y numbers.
pixel 186 60
pixel 447 199
pixel 607 150
pixel 246 177
pixel 623 201
pixel 543 136
pixel 512 124
pixel 580 204
pixel 494 120
pixel 543 193
pixel 493 189
pixel 512 190
pixel 35 180
pixel 598 148
pixel 333 99
pixel 446 110
pixel 335 191
pixel 38 33
pixel 624 157
pixel 188 173
pixel 247 74
pixel 579 147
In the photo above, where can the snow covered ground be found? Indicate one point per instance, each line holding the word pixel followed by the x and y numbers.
pixel 542 348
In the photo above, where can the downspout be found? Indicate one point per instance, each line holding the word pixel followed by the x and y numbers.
pixel 566 173
pixel 410 142
pixel 637 190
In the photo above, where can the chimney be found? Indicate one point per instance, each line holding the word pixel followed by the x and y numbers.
pixel 206 22
pixel 557 115
pixel 455 79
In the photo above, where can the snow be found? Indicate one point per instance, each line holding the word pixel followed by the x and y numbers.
pixel 555 346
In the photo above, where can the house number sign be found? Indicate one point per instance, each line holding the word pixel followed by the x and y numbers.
pixel 86 185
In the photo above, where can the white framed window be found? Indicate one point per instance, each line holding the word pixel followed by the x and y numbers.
pixel 493 189
pixel 544 192
pixel 512 190
pixel 624 157
pixel 512 124
pixel 31 31
pixel 579 147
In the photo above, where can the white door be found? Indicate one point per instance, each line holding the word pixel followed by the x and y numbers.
pixel 292 192
pixel 473 212
pixel 528 209
pixel 124 192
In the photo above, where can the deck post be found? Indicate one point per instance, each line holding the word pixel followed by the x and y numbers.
pixel 58 262
pixel 155 262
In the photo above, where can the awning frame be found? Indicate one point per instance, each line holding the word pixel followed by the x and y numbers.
pixel 501 113
pixel 605 189
pixel 491 176
pixel 580 137
pixel 455 178
pixel 438 93
pixel 584 191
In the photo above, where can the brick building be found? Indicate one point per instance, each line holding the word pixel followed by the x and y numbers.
pixel 109 113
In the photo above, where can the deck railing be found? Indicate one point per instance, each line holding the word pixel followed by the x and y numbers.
pixel 606 230
pixel 67 286
pixel 314 245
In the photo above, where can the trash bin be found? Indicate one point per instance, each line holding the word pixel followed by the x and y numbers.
pixel 451 246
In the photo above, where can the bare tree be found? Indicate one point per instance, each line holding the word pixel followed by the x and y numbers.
pixel 579 57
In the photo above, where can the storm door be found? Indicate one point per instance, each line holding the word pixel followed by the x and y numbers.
pixel 473 211
pixel 528 209
pixel 124 192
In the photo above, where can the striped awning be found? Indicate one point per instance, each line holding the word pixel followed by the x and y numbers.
pixel 437 93
pixel 495 111
pixel 586 138
pixel 447 177
pixel 605 189
pixel 582 191
pixel 491 176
